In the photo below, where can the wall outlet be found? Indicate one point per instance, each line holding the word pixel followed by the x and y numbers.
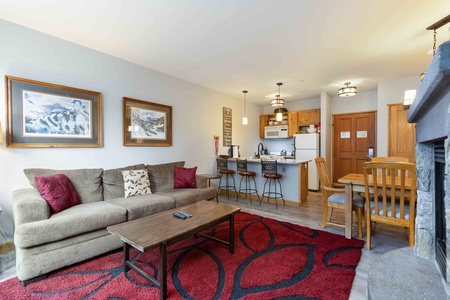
pixel 283 170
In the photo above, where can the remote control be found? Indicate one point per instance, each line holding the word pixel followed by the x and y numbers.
pixel 178 215
pixel 184 213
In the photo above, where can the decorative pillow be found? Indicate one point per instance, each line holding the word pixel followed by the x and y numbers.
pixel 58 191
pixel 136 182
pixel 184 177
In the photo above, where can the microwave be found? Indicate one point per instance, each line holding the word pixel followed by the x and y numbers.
pixel 274 132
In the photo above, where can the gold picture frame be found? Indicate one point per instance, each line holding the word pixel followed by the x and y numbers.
pixel 47 115
pixel 146 123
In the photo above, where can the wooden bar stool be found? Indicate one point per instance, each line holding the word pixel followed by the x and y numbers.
pixel 242 170
pixel 222 168
pixel 269 171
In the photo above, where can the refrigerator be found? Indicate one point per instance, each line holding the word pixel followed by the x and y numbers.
pixel 307 147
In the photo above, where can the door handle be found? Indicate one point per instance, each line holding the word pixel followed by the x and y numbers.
pixel 370 154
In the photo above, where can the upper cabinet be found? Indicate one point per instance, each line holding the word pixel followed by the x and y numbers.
pixel 294 120
pixel 308 117
pixel 293 123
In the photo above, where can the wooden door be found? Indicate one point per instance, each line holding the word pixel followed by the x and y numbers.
pixel 402 135
pixel 353 134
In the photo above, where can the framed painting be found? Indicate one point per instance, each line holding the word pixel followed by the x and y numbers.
pixel 41 114
pixel 146 123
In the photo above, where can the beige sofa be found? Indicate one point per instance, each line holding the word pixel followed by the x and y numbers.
pixel 45 242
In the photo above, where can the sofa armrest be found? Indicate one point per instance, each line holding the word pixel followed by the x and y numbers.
pixel 29 206
pixel 201 181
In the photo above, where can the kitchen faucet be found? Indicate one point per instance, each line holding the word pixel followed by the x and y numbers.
pixel 260 152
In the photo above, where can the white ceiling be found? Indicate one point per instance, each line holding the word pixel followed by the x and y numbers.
pixel 231 45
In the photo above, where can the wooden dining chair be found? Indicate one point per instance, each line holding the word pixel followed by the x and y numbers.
pixel 390 159
pixel 390 196
pixel 334 197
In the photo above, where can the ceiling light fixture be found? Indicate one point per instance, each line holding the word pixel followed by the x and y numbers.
pixel 279 111
pixel 277 101
pixel 347 91
pixel 244 119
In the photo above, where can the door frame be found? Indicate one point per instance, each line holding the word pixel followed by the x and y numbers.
pixel 333 131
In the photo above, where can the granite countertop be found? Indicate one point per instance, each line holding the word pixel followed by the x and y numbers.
pixel 279 160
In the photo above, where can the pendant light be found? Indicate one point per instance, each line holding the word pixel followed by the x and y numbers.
pixel 347 91
pixel 279 113
pixel 244 119
pixel 277 101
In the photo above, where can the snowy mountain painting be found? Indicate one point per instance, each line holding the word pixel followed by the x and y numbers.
pixel 148 124
pixel 46 115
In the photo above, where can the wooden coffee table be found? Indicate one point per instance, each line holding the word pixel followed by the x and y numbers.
pixel 163 230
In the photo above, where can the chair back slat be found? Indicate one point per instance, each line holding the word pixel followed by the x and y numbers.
pixel 222 163
pixel 324 176
pixel 242 165
pixel 389 195
pixel 269 166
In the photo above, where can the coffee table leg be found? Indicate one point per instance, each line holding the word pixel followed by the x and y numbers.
pixel 232 234
pixel 126 256
pixel 163 272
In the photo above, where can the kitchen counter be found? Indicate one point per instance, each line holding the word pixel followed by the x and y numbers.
pixel 295 176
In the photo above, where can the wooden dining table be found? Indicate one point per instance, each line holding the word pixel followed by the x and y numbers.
pixel 354 182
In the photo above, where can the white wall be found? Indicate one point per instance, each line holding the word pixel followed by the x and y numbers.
pixel 390 91
pixel 363 101
pixel 197 111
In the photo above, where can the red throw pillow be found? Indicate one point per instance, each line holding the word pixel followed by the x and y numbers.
pixel 58 191
pixel 184 177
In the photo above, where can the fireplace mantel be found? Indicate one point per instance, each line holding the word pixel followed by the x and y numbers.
pixel 430 107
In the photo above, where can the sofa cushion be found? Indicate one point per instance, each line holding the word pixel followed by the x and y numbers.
pixel 70 222
pixel 184 177
pixel 161 176
pixel 188 196
pixel 144 205
pixel 113 181
pixel 57 191
pixel 135 183
pixel 87 182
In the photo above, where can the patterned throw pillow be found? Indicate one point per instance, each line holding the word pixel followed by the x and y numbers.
pixel 58 191
pixel 136 182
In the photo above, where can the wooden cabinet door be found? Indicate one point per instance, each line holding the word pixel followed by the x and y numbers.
pixel 262 124
pixel 308 117
pixel 353 134
pixel 402 135
pixel 292 123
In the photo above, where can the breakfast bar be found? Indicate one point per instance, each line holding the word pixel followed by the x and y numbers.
pixel 294 182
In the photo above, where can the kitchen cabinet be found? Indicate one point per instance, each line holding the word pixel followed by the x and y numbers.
pixel 308 117
pixel 293 119
pixel 263 121
pixel 270 120
pixel 292 123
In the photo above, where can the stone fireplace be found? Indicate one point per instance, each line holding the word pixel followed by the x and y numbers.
pixel 431 113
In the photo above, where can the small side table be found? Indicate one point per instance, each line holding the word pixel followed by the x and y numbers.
pixel 212 176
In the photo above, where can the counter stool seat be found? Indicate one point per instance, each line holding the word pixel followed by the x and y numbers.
pixel 242 170
pixel 273 176
pixel 269 171
pixel 222 168
pixel 247 173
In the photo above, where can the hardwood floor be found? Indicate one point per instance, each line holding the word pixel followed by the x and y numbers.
pixel 309 214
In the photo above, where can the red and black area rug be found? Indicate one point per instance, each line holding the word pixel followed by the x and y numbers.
pixel 272 260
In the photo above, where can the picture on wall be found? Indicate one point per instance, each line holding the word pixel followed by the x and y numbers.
pixel 43 114
pixel 46 115
pixel 146 123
